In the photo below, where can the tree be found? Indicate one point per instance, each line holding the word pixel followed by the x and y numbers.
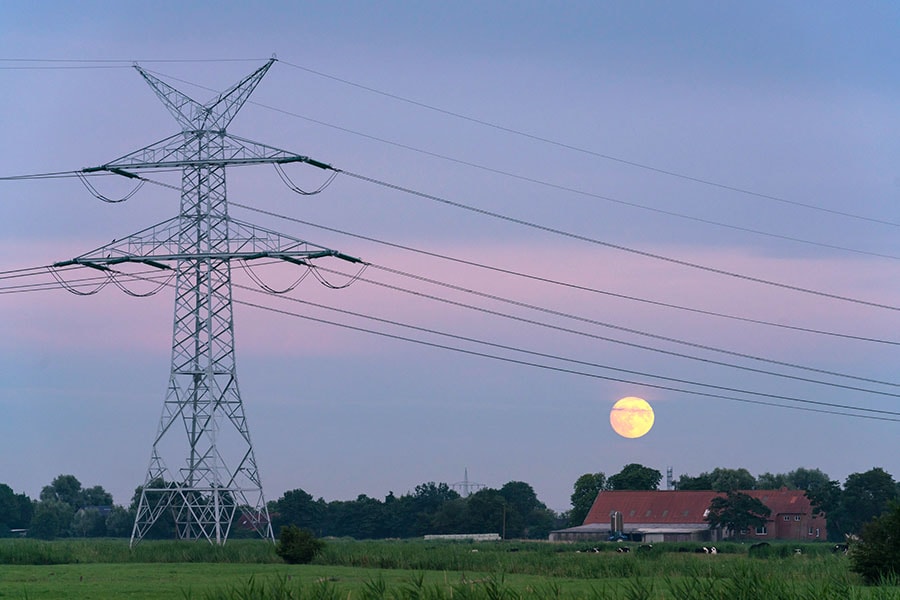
pixel 96 496
pixel 773 481
pixel 826 500
pixel 721 480
pixel 88 522
pixel 526 516
pixel 808 479
pixel 703 481
pixel 297 507
pixel 485 512
pixel 51 520
pixel 119 522
pixel 584 493
pixel 64 488
pixel 635 477
pixel 724 480
pixel 15 509
pixel 877 555
pixel 737 512
pixel 865 496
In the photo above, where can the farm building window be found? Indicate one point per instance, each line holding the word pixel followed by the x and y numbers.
pixel 796 517
pixel 762 530
pixel 810 532
pixel 787 517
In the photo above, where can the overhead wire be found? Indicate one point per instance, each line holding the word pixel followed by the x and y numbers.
pixel 393 186
pixel 578 191
pixel 565 284
pixel 635 251
pixel 624 329
pixel 167 282
pixel 554 185
pixel 546 140
pixel 581 373
pixel 114 275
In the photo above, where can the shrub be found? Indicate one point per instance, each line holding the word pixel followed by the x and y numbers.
pixel 298 546
pixel 877 555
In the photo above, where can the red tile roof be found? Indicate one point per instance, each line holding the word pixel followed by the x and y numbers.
pixel 674 507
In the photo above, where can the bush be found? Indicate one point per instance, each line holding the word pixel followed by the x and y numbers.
pixel 298 546
pixel 877 555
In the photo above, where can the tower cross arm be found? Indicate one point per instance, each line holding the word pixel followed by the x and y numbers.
pixel 171 152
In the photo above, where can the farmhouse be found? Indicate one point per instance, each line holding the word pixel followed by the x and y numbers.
pixel 675 516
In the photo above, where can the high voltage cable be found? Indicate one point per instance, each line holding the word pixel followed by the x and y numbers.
pixel 569 360
pixel 581 373
pixel 91 280
pixel 49 175
pixel 492 125
pixel 573 190
pixel 127 62
pixel 624 329
pixel 566 284
pixel 550 184
pixel 544 355
pixel 531 180
pixel 559 144
pixel 584 238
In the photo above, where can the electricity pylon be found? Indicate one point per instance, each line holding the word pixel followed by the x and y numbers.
pixel 202 469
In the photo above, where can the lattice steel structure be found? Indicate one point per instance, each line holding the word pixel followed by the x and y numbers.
pixel 202 470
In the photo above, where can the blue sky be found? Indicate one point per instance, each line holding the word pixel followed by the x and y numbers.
pixel 791 111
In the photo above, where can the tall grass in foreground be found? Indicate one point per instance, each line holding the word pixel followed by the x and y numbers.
pixel 741 586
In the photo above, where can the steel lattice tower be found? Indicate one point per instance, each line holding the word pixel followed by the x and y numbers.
pixel 202 468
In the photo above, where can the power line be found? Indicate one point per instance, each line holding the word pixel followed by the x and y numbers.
pixel 623 329
pixel 358 277
pixel 536 181
pixel 155 277
pixel 589 152
pixel 126 62
pixel 567 284
pixel 581 373
pixel 555 186
pixel 583 238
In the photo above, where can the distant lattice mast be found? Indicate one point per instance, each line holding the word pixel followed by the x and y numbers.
pixel 202 470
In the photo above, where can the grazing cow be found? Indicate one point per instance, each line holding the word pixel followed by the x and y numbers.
pixel 842 548
pixel 713 550
pixel 623 549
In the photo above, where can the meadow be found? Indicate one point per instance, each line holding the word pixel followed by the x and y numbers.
pixel 417 569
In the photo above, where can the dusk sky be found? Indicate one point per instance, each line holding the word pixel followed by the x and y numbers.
pixel 691 202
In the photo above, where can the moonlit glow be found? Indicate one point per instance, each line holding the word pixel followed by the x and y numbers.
pixel 631 417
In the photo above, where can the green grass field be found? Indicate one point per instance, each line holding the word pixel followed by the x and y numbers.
pixel 351 570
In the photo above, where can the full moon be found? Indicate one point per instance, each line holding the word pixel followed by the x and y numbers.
pixel 631 417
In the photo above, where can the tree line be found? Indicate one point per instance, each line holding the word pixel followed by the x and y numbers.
pixel 66 509
pixel 512 511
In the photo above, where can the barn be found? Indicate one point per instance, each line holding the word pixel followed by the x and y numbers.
pixel 678 516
